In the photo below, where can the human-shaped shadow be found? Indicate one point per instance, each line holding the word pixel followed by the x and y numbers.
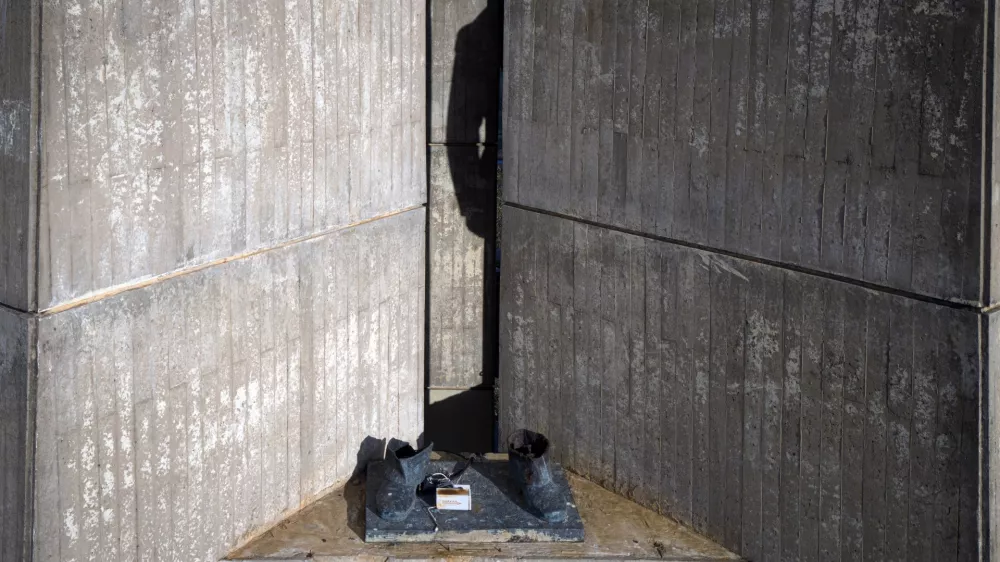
pixel 458 423
pixel 473 117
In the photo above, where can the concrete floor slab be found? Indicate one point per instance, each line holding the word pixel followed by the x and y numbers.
pixel 616 529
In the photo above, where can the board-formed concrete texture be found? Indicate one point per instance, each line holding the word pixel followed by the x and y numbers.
pixel 16 337
pixel 464 91
pixel 462 239
pixel 465 57
pixel 230 262
pixel 991 386
pixel 764 230
pixel 175 133
pixel 839 136
pixel 17 184
pixel 179 418
pixel 785 415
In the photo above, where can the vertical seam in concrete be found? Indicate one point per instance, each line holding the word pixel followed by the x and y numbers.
pixel 35 154
pixel 986 173
pixel 985 268
pixel 34 205
pixel 428 75
pixel 985 437
pixel 29 440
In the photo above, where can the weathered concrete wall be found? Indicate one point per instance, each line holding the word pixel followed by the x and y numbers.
pixel 16 153
pixel 464 82
pixel 743 278
pixel 462 236
pixel 174 134
pixel 991 478
pixel 17 92
pixel 838 136
pixel 466 48
pixel 786 415
pixel 231 263
pixel 16 336
pixel 177 418
pixel 462 309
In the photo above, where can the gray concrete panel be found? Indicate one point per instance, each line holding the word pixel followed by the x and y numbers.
pixel 17 156
pixel 991 383
pixel 466 52
pixel 176 134
pixel 464 84
pixel 840 137
pixel 16 337
pixel 462 276
pixel 786 415
pixel 181 417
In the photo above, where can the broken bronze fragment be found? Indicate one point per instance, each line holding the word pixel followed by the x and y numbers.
pixel 405 470
pixel 528 454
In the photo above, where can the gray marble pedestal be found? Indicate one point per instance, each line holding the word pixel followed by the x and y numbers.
pixel 498 512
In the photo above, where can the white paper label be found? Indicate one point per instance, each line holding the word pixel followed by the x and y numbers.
pixel 454 499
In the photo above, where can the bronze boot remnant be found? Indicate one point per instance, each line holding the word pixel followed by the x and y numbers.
pixel 405 469
pixel 529 467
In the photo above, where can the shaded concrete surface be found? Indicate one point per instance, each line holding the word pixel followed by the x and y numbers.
pixel 332 529
pixel 466 52
pixel 17 333
pixel 463 289
pixel 464 90
pixel 782 414
pixel 185 415
pixel 461 420
pixel 843 137
pixel 18 157
pixel 744 281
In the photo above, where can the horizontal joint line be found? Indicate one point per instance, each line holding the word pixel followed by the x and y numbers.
pixel 157 279
pixel 763 261
pixel 464 144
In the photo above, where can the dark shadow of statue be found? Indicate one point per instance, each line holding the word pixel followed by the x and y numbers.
pixel 470 138
pixel 473 117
